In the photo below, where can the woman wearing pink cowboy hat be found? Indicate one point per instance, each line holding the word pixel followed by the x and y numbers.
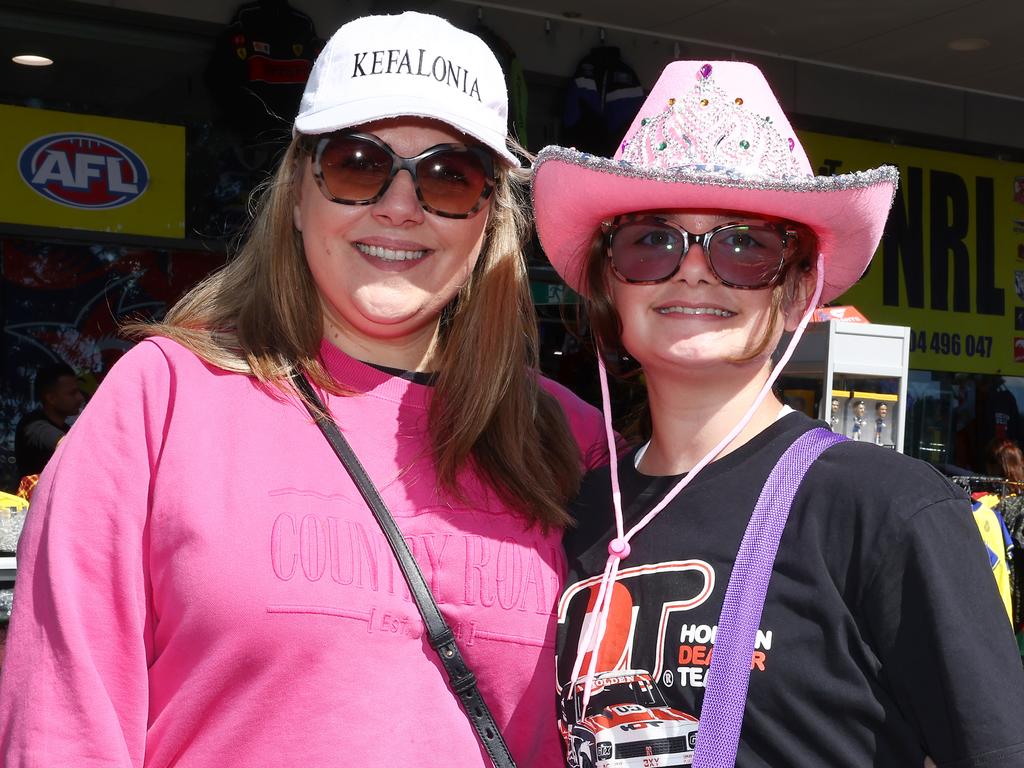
pixel 813 601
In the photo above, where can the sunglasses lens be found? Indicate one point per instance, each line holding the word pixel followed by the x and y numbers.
pixel 453 181
pixel 354 170
pixel 645 251
pixel 748 256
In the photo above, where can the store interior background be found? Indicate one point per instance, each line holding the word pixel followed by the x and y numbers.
pixel 872 70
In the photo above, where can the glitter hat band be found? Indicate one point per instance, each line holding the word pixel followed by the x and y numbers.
pixel 710 136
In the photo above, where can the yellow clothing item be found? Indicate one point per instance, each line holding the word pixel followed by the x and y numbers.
pixel 991 527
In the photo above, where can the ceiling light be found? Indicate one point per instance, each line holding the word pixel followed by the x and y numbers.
pixel 32 60
pixel 968 44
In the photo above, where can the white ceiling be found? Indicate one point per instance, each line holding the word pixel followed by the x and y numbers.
pixel 904 38
pixel 155 50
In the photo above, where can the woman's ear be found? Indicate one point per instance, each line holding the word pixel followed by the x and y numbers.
pixel 297 208
pixel 794 309
pixel 298 179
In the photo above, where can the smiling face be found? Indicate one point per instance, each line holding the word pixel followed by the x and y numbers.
pixel 692 320
pixel 385 271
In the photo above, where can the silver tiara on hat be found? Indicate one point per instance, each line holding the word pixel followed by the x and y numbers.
pixel 711 131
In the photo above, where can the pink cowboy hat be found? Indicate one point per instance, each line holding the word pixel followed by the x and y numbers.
pixel 710 136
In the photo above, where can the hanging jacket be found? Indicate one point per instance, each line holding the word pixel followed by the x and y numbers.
pixel 603 98
pixel 260 65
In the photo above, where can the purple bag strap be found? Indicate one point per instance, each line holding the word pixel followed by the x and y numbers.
pixel 725 698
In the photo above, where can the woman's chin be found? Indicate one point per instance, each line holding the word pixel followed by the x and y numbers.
pixel 697 360
pixel 397 309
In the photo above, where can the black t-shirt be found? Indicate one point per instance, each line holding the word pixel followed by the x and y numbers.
pixel 882 637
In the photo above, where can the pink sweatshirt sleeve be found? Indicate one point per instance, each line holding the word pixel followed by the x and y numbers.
pixel 74 685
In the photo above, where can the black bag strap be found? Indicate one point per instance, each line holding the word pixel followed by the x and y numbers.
pixel 460 678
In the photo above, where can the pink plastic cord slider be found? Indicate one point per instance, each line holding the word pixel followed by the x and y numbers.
pixel 618 548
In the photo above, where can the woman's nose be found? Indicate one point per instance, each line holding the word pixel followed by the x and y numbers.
pixel 695 267
pixel 399 204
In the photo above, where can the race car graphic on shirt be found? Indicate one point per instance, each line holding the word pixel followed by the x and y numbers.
pixel 626 724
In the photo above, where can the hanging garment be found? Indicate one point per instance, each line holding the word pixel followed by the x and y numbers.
pixel 515 80
pixel 603 98
pixel 997 543
pixel 1011 508
pixel 260 65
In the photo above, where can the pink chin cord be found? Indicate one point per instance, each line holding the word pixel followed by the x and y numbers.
pixel 618 547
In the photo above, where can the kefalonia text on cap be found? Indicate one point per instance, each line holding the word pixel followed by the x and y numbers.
pixel 397 61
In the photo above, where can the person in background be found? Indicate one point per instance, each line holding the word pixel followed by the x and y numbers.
pixel 38 433
pixel 200 582
pixel 1004 459
pixel 748 587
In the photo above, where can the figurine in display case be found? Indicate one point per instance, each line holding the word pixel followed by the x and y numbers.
pixel 835 420
pixel 859 422
pixel 881 422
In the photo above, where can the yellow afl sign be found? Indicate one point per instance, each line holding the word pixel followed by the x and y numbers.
pixel 60 169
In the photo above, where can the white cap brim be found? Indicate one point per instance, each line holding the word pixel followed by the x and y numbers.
pixel 352 114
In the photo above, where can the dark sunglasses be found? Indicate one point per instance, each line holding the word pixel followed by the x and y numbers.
pixel 452 180
pixel 649 249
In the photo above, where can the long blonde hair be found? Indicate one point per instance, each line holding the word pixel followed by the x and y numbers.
pixel 260 315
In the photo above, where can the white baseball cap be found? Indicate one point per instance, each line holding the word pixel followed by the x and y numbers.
pixel 377 67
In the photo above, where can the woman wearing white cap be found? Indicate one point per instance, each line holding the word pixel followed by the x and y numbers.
pixel 812 603
pixel 200 582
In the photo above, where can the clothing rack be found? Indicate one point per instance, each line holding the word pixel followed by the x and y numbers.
pixel 998 485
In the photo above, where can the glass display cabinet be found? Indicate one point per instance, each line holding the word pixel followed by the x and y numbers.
pixel 852 376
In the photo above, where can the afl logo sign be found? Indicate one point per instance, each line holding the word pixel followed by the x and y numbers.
pixel 82 170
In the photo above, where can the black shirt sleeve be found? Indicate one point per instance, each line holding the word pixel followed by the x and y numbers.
pixel 943 641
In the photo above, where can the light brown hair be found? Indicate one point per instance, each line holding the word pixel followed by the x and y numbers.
pixel 1005 459
pixel 260 315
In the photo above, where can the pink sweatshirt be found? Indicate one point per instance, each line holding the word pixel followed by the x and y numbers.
pixel 200 585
